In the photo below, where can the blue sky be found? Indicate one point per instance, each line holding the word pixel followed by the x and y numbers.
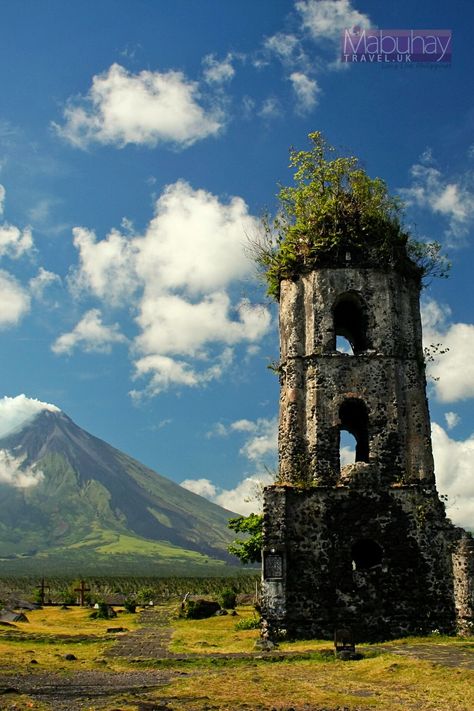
pixel 140 142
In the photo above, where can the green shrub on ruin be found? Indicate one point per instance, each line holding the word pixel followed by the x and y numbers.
pixel 336 213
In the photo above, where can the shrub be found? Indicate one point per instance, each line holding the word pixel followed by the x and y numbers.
pixel 198 609
pixel 248 623
pixel 145 595
pixel 103 612
pixel 335 209
pixel 228 599
pixel 130 605
pixel 68 597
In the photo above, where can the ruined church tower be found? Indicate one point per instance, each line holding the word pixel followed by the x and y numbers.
pixel 365 545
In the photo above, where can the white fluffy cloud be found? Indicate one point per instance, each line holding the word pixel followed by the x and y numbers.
pixel 178 272
pixel 14 242
pixel 263 442
pixel 453 466
pixel 16 412
pixel 143 109
pixel 244 499
pixel 306 91
pixel 325 19
pixel 244 426
pixel 14 474
pixel 218 72
pixel 172 324
pixel 106 267
pixel 452 365
pixel 202 487
pixel 194 242
pixel 165 372
pixel 14 300
pixel 452 198
pixel 42 281
pixel 283 45
pixel 287 47
pixel 260 448
pixel 262 437
pixel 91 334
pixel 452 420
pixel 270 108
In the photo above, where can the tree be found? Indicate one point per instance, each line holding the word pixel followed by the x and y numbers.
pixel 334 210
pixel 248 550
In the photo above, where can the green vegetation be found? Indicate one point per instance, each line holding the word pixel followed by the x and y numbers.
pixel 198 609
pixel 96 509
pixel 130 605
pixel 89 563
pixel 336 213
pixel 249 549
pixel 138 589
pixel 228 598
pixel 103 612
pixel 248 623
pixel 303 674
pixel 217 634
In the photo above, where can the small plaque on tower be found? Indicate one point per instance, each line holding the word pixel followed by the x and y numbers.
pixel 273 565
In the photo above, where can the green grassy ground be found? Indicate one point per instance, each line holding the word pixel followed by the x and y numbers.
pixel 309 679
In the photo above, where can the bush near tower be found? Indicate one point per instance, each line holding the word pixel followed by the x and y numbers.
pixel 336 209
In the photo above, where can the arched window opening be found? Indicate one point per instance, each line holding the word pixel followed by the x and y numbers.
pixel 343 345
pixel 350 321
pixel 366 554
pixel 347 448
pixel 354 419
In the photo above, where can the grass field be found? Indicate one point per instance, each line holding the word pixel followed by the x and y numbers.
pixel 309 678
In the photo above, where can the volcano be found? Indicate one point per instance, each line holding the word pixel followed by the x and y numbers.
pixel 71 502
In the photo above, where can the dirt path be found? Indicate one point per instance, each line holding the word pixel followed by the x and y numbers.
pixel 81 689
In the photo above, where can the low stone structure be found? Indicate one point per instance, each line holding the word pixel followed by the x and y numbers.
pixel 365 546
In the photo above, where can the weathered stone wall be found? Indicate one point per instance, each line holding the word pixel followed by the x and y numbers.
pixel 408 591
pixel 365 546
pixel 388 376
pixel 463 570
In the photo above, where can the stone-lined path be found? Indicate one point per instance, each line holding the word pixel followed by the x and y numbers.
pixel 151 641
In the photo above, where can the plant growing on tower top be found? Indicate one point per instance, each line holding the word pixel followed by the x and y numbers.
pixel 335 214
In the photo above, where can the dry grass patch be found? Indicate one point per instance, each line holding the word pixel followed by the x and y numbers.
pixel 214 634
pixel 45 639
pixel 22 702
pixel 466 643
pixel 73 621
pixel 17 656
pixel 385 683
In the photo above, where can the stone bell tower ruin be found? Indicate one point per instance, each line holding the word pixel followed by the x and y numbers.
pixel 367 545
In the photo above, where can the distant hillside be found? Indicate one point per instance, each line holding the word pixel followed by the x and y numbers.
pixel 95 507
